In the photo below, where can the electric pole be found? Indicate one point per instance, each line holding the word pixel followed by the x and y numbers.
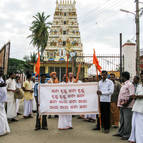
pixel 137 38
pixel 121 57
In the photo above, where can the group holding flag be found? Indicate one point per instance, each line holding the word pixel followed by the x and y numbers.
pixel 108 91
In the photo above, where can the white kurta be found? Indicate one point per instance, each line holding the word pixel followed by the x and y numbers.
pixel 137 118
pixel 11 102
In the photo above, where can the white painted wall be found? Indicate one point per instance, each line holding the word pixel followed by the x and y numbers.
pixel 129 52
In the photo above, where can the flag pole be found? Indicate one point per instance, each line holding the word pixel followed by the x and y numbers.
pixel 98 100
pixel 78 72
pixel 67 67
pixel 98 68
pixel 38 73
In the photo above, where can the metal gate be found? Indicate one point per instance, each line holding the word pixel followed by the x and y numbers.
pixel 110 63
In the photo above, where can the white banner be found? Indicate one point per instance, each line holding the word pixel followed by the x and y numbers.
pixel 68 98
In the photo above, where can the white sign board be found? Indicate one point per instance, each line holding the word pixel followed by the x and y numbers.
pixel 68 98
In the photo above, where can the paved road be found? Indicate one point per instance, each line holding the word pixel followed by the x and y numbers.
pixel 23 132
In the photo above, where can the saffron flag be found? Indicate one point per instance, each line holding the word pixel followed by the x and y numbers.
pixel 37 66
pixel 96 62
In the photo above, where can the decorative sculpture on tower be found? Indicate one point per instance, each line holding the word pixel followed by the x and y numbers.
pixel 64 32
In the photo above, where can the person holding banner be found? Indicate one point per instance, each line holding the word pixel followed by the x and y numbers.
pixel 69 117
pixel 44 124
pixel 53 79
pixel 106 89
pixel 4 127
pixel 63 119
pixel 28 96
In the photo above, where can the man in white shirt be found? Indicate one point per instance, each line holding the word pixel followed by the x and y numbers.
pixel 106 89
pixel 11 102
pixel 4 127
pixel 137 118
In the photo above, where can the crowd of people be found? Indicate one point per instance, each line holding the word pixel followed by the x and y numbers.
pixel 121 103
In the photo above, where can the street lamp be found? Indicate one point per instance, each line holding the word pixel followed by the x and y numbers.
pixel 137 36
pixel 123 10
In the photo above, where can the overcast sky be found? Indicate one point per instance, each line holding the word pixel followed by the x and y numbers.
pixel 100 22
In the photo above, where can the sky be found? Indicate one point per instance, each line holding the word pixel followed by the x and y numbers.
pixel 100 22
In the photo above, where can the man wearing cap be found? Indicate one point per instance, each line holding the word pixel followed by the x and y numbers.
pixel 53 78
pixel 4 127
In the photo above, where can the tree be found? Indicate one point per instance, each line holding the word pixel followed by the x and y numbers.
pixel 18 66
pixel 31 59
pixel 40 31
pixel 26 59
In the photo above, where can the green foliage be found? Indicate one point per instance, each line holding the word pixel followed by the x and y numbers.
pixel 31 59
pixel 39 30
pixel 18 66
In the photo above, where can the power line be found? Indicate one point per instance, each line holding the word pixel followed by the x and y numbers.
pixel 98 12
pixel 115 5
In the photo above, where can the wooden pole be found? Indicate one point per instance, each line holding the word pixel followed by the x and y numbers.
pixel 98 100
pixel 78 72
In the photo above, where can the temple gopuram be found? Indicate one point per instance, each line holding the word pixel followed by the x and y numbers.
pixel 64 37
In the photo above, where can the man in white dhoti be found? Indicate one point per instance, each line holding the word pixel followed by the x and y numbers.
pixel 11 102
pixel 63 119
pixel 4 127
pixel 18 86
pixel 137 118
pixel 28 96
pixel 69 117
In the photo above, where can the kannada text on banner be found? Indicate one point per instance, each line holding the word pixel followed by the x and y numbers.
pixel 68 98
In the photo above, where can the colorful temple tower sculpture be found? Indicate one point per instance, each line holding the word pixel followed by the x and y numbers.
pixel 64 34
pixel 64 37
